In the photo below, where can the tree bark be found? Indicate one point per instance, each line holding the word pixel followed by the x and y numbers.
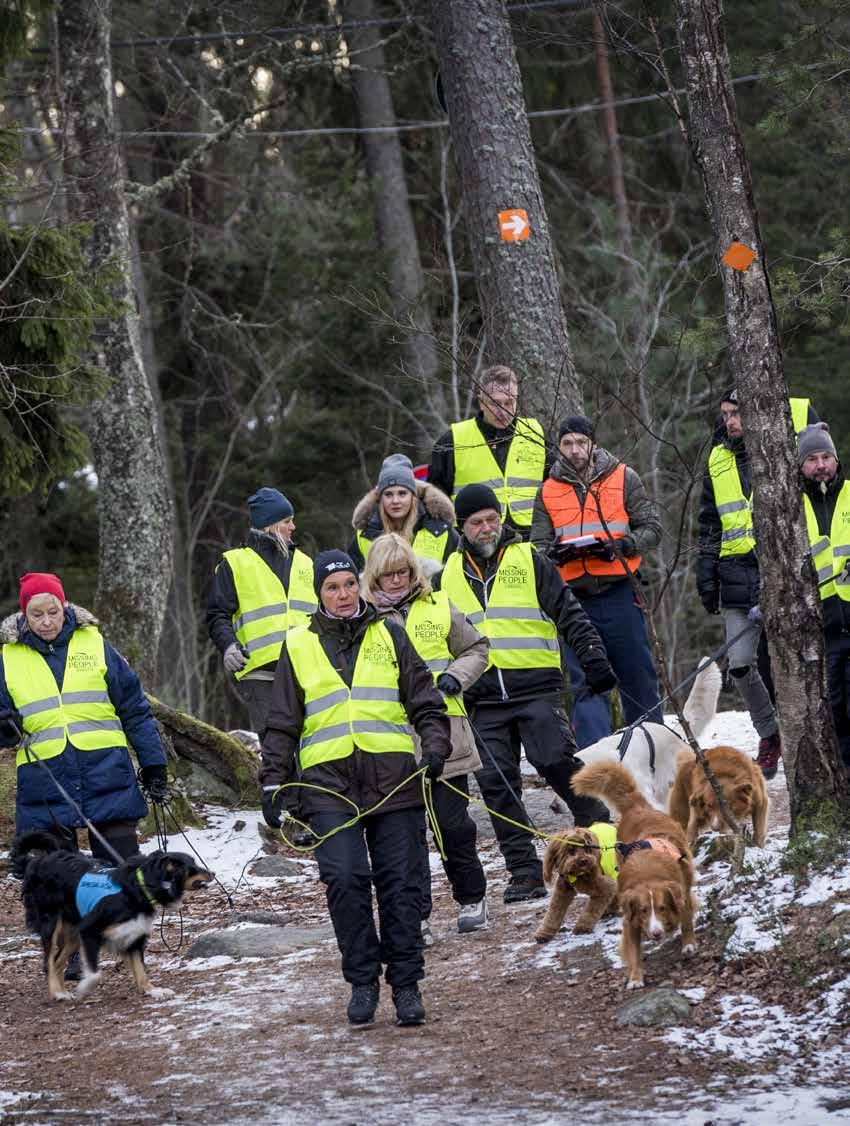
pixel 790 601
pixel 523 317
pixel 134 505
pixel 393 215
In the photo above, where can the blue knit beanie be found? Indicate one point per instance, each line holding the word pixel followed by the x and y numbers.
pixel 267 507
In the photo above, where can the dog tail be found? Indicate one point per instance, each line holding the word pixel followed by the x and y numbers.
pixel 27 846
pixel 701 704
pixel 609 781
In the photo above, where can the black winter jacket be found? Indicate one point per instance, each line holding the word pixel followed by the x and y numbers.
pixel 557 601
pixel 223 602
pixel 364 778
pixel 732 582
pixel 836 612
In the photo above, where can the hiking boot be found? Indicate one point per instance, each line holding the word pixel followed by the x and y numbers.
pixel 427 933
pixel 74 971
pixel 521 888
pixel 363 1003
pixel 472 916
pixel 770 752
pixel 408 1006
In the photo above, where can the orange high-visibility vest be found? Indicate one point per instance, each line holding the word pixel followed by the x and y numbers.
pixel 571 519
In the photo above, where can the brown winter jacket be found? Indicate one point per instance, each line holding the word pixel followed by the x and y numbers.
pixel 436 514
pixel 644 522
pixel 361 777
pixel 470 650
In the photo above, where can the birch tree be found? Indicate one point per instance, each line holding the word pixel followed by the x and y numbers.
pixel 134 507
pixel 790 600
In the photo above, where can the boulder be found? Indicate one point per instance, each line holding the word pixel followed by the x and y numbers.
pixel 250 941
pixel 275 866
pixel 655 1008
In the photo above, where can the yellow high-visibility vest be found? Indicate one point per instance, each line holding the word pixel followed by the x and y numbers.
pixel 265 610
pixel 830 553
pixel 369 715
pixel 425 544
pixel 521 635
pixel 799 413
pixel 428 623
pixel 81 713
pixel 525 466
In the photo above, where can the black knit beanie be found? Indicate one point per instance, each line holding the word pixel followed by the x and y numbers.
pixel 577 424
pixel 472 499
pixel 730 396
pixel 329 563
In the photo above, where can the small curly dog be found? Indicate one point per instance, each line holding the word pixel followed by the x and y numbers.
pixel 580 861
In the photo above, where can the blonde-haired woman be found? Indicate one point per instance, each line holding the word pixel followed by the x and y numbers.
pixel 457 654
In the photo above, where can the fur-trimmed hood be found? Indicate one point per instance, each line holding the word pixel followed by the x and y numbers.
pixel 432 502
pixel 10 627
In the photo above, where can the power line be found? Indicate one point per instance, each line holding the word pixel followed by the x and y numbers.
pixel 310 30
pixel 404 127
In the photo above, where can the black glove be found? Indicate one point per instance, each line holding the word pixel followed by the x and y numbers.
pixel 561 553
pixel 599 676
pixel 603 549
pixel 449 685
pixel 627 546
pixel 433 764
pixel 273 807
pixel 155 781
pixel 711 600
pixel 11 728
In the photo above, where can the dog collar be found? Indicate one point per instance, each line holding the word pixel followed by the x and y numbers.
pixel 141 881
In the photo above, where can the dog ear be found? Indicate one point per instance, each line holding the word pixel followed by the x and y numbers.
pixel 744 791
pixel 628 904
pixel 673 896
pixel 552 858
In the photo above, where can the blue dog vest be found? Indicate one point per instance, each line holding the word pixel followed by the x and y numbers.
pixel 93 887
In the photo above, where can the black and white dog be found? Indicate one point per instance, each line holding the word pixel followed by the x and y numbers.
pixel 72 903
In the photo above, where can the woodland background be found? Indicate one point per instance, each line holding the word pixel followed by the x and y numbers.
pixel 268 308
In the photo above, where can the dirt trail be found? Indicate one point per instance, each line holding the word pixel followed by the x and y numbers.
pixel 515 1032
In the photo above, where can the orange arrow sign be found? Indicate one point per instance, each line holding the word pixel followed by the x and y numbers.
pixel 513 225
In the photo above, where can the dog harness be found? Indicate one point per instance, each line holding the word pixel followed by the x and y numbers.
pixel 658 844
pixel 93 887
pixel 626 738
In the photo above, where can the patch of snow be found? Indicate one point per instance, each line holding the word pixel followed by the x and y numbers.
pixel 749 938
pixel 840 908
pixel 694 995
pixel 825 886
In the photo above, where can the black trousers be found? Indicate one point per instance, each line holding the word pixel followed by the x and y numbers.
pixel 121 835
pixel 462 866
pixel 542 729
pixel 393 843
pixel 838 686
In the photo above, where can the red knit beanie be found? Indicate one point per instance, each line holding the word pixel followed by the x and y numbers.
pixel 38 582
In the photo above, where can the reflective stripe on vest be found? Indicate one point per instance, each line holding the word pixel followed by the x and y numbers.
pixel 369 715
pixel 571 518
pixel 265 611
pixel 525 465
pixel 737 535
pixel 830 553
pixel 81 713
pixel 425 544
pixel 521 635
pixel 428 623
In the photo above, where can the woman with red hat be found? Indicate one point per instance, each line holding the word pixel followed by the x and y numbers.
pixel 81 707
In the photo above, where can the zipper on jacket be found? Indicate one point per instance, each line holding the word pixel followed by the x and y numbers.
pixel 486 592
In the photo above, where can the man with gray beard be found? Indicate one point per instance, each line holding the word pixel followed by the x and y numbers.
pixel 516 597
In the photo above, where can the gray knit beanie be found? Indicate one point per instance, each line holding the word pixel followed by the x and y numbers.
pixel 397 470
pixel 814 439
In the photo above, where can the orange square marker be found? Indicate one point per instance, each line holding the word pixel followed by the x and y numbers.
pixel 738 256
pixel 513 225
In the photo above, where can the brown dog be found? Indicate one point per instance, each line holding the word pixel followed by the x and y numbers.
pixel 581 861
pixel 656 868
pixel 693 804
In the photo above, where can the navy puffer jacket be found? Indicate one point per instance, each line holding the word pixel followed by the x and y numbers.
pixel 103 783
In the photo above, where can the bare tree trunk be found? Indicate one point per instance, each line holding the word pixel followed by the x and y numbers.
pixel 393 216
pixel 524 319
pixel 790 601
pixel 134 505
